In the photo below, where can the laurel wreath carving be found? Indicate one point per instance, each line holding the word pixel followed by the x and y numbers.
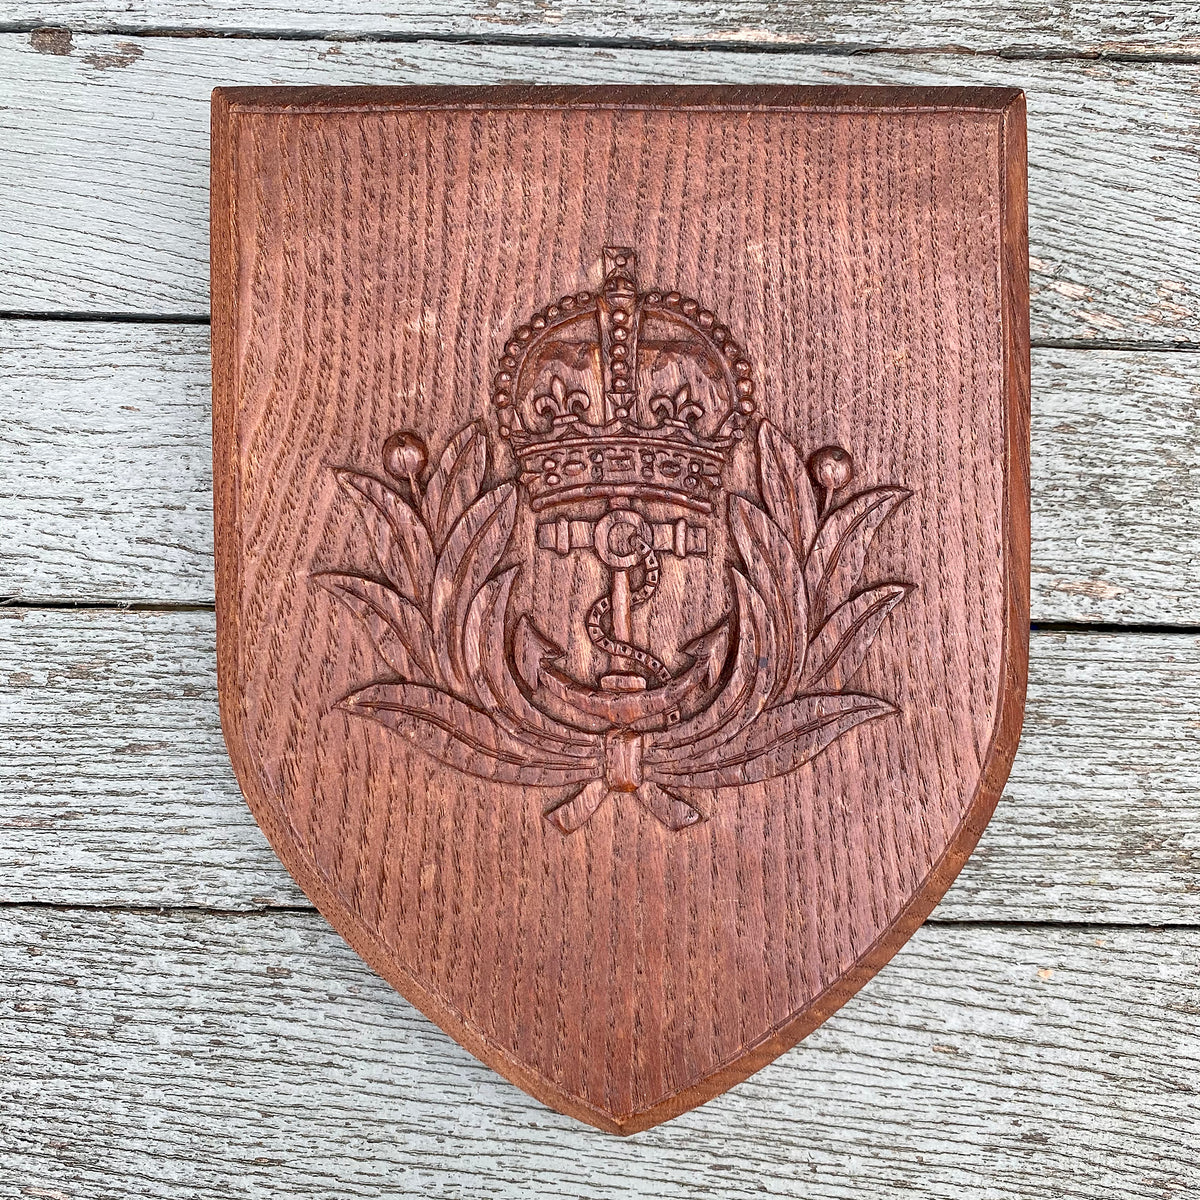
pixel 796 634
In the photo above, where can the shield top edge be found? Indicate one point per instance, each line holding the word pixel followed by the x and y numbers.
pixel 826 98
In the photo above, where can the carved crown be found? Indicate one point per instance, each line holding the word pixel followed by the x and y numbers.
pixel 623 393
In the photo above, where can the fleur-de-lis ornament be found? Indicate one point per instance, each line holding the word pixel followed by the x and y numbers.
pixel 560 405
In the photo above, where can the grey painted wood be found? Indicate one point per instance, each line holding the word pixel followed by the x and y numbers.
pixel 105 473
pixel 105 462
pixel 245 1057
pixel 1115 486
pixel 115 788
pixel 103 160
pixel 1085 26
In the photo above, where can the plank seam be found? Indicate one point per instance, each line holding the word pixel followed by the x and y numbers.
pixel 203 319
pixel 1016 53
pixel 275 910
pixel 115 318
pixel 1182 629
pixel 182 606
pixel 68 605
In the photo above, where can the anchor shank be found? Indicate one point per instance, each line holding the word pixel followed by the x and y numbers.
pixel 621 612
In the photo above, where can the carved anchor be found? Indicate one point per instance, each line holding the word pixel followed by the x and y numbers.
pixel 623 708
pixel 623 541
pixel 639 693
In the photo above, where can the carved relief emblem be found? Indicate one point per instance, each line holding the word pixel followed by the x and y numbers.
pixel 619 412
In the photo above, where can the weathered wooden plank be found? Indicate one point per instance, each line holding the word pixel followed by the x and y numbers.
pixel 1115 487
pixel 105 462
pixel 115 787
pixel 1113 176
pixel 1086 26
pixel 105 470
pixel 156 1056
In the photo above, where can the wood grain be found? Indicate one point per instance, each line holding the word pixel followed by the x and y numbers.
pixel 106 462
pixel 574 831
pixel 1092 27
pixel 151 1057
pixel 1112 169
pixel 106 447
pixel 117 789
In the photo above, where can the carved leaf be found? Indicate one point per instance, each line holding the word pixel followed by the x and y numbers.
pixel 837 651
pixel 778 576
pixel 840 548
pixel 461 736
pixel 786 491
pixel 479 615
pixel 399 631
pixel 456 480
pixel 398 535
pixel 777 743
pixel 472 553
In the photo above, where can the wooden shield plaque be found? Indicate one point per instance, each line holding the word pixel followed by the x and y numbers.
pixel 622 546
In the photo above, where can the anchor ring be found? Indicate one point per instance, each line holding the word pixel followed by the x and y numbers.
pixel 641 537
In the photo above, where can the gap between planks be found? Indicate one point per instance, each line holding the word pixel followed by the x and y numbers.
pixel 998 28
pixel 585 42
pixel 170 606
pixel 279 910
pixel 203 320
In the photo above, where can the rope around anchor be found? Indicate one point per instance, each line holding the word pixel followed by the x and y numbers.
pixel 602 608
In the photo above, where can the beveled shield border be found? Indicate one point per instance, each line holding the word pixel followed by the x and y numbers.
pixel 1008 107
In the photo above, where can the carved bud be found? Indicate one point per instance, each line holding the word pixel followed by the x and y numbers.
pixel 404 456
pixel 831 467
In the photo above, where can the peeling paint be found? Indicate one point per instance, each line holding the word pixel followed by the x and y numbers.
pixel 1095 589
pixel 51 41
pixel 1073 291
pixel 126 53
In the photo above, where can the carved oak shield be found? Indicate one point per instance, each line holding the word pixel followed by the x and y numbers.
pixel 622 546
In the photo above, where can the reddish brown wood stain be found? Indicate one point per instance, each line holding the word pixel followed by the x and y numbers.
pixel 864 251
